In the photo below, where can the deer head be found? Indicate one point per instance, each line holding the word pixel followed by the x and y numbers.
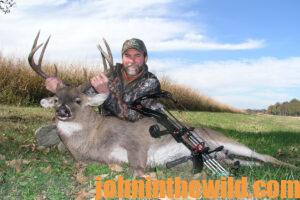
pixel 69 100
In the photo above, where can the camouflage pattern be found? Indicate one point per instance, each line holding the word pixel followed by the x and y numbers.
pixel 134 43
pixel 123 93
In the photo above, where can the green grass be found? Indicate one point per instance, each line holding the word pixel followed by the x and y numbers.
pixel 264 133
pixel 49 174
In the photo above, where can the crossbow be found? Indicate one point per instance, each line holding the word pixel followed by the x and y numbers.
pixel 200 153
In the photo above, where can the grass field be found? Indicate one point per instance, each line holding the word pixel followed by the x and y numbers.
pixel 27 172
pixel 20 85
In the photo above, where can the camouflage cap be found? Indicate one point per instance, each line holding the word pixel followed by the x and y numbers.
pixel 134 43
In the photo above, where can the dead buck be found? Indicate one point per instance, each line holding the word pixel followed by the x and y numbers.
pixel 107 139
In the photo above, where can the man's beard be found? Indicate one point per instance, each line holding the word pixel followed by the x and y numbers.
pixel 133 69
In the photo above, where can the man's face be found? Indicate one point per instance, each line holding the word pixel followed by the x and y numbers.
pixel 133 61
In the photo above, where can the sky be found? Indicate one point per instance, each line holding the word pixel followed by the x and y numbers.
pixel 244 53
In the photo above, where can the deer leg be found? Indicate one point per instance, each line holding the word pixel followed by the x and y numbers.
pixel 47 136
pixel 237 149
pixel 138 161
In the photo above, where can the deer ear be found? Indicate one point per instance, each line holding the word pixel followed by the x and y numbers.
pixel 48 102
pixel 96 100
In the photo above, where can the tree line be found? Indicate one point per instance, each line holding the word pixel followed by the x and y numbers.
pixel 291 108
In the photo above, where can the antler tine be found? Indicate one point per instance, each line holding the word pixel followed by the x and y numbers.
pixel 43 51
pixel 106 57
pixel 104 63
pixel 104 54
pixel 103 58
pixel 35 41
pixel 110 61
pixel 34 66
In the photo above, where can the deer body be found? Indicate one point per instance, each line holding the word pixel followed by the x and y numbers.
pixel 107 139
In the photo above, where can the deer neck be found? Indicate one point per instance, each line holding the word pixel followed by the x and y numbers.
pixel 84 121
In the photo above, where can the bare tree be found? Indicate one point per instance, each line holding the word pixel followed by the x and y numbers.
pixel 6 5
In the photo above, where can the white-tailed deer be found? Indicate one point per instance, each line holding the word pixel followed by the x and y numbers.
pixel 107 139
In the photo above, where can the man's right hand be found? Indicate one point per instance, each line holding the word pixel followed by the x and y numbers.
pixel 100 83
pixel 53 83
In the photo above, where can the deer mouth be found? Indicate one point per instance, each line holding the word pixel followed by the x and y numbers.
pixel 64 113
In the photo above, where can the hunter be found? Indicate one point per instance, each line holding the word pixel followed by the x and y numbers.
pixel 129 81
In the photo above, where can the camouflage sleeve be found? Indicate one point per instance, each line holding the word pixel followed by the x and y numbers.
pixel 148 86
pixel 119 105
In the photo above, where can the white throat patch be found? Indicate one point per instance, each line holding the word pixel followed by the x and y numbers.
pixel 68 128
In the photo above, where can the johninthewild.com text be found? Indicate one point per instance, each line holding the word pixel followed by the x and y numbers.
pixel 225 187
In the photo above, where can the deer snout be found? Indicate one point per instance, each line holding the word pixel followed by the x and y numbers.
pixel 63 112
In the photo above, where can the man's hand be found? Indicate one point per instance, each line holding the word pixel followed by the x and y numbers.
pixel 53 83
pixel 100 83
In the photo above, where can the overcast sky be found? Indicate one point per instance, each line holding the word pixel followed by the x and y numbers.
pixel 243 53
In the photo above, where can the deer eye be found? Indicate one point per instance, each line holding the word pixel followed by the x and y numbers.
pixel 55 100
pixel 78 100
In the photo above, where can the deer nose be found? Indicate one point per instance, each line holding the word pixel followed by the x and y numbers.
pixel 63 111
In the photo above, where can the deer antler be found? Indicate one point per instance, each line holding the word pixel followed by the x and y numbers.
pixel 107 57
pixel 37 67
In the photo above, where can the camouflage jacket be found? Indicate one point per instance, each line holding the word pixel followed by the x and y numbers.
pixel 123 93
